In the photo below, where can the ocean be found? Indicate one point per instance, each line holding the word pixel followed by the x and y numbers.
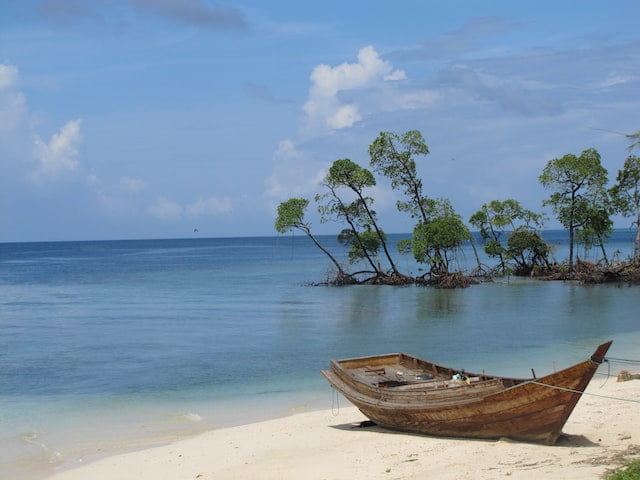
pixel 107 346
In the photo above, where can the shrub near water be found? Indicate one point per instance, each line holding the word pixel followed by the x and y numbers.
pixel 630 472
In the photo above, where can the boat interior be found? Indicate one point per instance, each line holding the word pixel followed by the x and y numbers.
pixel 400 371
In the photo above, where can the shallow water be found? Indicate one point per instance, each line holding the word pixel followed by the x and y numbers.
pixel 111 345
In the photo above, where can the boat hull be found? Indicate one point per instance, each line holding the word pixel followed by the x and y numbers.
pixel 532 410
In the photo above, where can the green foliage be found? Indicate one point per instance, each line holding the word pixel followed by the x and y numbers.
pixel 358 214
pixel 392 155
pixel 494 248
pixel 596 229
pixel 626 192
pixel 405 246
pixel 362 244
pixel 630 472
pixel 570 173
pixel 434 242
pixel 634 138
pixel 527 249
pixel 494 218
pixel 625 195
pixel 578 192
pixel 345 173
pixel 291 215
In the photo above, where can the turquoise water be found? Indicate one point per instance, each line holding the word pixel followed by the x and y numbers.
pixel 111 345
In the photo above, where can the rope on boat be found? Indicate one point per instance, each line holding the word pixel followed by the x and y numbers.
pixel 335 402
pixel 622 360
pixel 564 389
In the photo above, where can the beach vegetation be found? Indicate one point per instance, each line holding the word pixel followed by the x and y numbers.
pixel 528 251
pixel 436 241
pixel 366 243
pixel 634 140
pixel 630 472
pixel 498 220
pixel 392 155
pixel 359 214
pixel 439 231
pixel 511 234
pixel 578 195
pixel 291 215
pixel 625 195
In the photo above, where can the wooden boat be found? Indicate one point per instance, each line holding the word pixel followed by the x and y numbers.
pixel 402 392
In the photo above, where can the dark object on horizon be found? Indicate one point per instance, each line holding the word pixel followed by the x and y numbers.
pixel 392 391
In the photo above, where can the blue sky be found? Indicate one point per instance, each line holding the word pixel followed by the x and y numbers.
pixel 152 118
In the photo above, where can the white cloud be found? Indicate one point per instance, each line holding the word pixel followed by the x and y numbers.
pixel 60 156
pixel 327 80
pixel 324 107
pixel 395 76
pixel 131 185
pixel 614 78
pixel 165 209
pixel 12 101
pixel 8 76
pixel 346 116
pixel 411 99
pixel 209 206
pixel 293 173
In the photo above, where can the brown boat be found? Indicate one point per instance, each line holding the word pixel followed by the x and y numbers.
pixel 402 392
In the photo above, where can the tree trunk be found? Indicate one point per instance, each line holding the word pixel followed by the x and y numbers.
pixel 604 252
pixel 571 248
pixel 475 253
pixel 636 243
pixel 380 236
pixel 327 253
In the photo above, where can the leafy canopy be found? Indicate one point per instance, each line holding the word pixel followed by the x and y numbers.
pixel 393 155
pixel 291 215
pixel 626 192
pixel 578 195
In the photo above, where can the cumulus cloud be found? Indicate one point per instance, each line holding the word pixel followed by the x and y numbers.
pixel 325 108
pixel 8 76
pixel 293 173
pixel 12 101
pixel 60 156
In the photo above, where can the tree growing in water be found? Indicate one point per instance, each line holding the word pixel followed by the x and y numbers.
pixel 492 221
pixel 435 242
pixel 626 197
pixel 291 216
pixel 439 230
pixel 392 156
pixel 576 183
pixel 358 214
pixel 528 250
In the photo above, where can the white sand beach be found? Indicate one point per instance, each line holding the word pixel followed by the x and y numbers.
pixel 602 433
